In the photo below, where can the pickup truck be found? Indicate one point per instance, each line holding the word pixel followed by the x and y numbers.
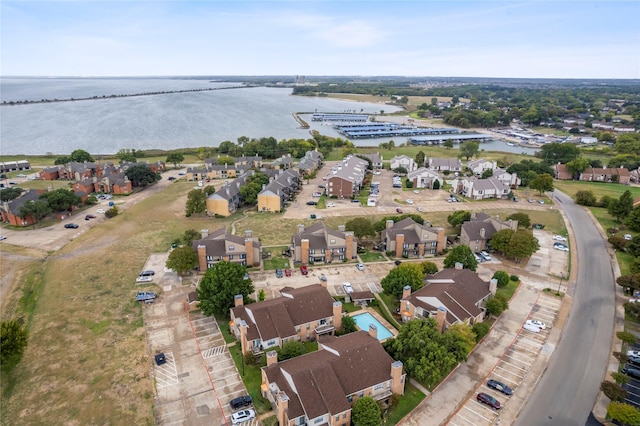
pixel 145 296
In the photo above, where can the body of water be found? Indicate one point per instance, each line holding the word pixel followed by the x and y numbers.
pixel 363 321
pixel 164 121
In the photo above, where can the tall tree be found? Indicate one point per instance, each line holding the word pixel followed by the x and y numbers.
pixel 578 166
pixel 366 412
pixel 622 207
pixel 61 200
pixel 458 217
pixel 81 156
pixel 633 220
pixel 461 254
pixel 501 239
pixel 35 209
pixel 175 158
pixel 361 227
pixel 407 274
pixel 469 148
pixel 142 175
pixel 522 245
pixel 523 219
pixel 182 260
pixel 542 183
pixel 196 202
pixel 13 341
pixel 420 157
pixel 220 284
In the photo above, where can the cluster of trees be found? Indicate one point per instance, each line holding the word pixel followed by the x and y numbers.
pixel 621 208
pixel 517 245
pixel 427 354
pixel 56 201
pixel 79 156
pixel 220 284
pixel 362 227
pixel 13 341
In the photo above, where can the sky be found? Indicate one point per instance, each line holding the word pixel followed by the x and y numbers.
pixel 504 39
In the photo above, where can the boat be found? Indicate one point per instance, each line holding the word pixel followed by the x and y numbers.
pixel 511 144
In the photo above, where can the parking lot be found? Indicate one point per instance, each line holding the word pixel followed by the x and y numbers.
pixel 512 368
pixel 199 378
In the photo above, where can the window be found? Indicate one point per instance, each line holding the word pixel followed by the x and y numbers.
pixel 350 398
pixel 332 241
pixel 298 328
pixel 308 326
pixel 434 244
pixel 230 257
pixel 361 394
pixel 231 248
pixel 378 386
pixel 338 417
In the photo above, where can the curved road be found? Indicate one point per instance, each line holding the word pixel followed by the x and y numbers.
pixel 568 389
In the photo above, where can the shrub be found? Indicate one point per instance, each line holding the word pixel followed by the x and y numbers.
pixel 613 391
pixel 605 201
pixel 408 184
pixel 514 278
pixel 480 329
pixel 617 242
pixel 502 277
pixel 626 337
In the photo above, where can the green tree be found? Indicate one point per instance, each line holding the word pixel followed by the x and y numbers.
pixel 175 158
pixel 81 156
pixel 65 159
pixel 420 157
pixel 142 175
pixel 127 155
pixel 523 219
pixel 458 217
pixel 208 190
pixel 480 329
pixel 348 325
pixel 469 148
pixel 220 284
pixel 460 339
pixel 407 274
pixel 578 166
pixel 291 349
pixel 436 184
pixel 429 268
pixel 522 245
pixel 585 198
pixel 487 174
pixel 196 202
pixel 189 236
pixel 630 282
pixel 8 194
pixel 542 183
pixel 633 220
pixel 61 200
pixel 13 341
pixel 461 254
pixel 500 240
pixel 624 413
pixel 366 412
pixel 496 305
pixel 361 227
pixel 182 260
pixel 448 144
pixel 613 391
pixel 622 207
pixel 626 337
pixel 34 208
pixel 502 277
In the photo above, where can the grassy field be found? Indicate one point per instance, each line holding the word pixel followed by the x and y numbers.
pixel 599 189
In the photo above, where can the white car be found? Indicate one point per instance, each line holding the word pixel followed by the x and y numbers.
pixel 144 279
pixel 627 237
pixel 633 353
pixel 539 324
pixel 347 288
pixel 101 211
pixel 559 238
pixel 377 172
pixel 420 209
pixel 3 237
pixel 360 266
pixel 485 255
pixel 243 416
pixel 21 175
pixel 330 205
pixel 317 194
pixel 531 327
pixel 560 247
pixel 415 191
pixel 409 201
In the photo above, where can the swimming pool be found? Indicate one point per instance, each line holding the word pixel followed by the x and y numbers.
pixel 364 320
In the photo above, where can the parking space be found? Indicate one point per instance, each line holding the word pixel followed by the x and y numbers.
pixel 633 392
pixel 513 367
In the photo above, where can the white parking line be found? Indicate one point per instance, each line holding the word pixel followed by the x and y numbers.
pixel 486 408
pixel 505 378
pixel 510 372
pixel 516 360
pixel 523 348
pixel 208 353
pixel 464 418
pixel 631 386
pixel 527 341
pixel 513 365
pixel 166 374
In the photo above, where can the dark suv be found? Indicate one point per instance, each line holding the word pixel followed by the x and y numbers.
pixel 632 371
pixel 239 402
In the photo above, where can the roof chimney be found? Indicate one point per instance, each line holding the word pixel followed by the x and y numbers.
pixel 204 233
pixel 272 358
pixel 406 292
pixel 248 233
pixel 441 316
pixel 341 228
pixel 373 331
pixel 300 228
pixel 493 286
pixel 238 300
pixel 459 265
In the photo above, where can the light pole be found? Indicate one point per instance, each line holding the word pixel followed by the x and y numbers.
pixel 559 284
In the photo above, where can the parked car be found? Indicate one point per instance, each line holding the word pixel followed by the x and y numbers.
pixel 287 272
pixel 539 324
pixel 530 200
pixel 489 400
pixel 479 258
pixel 633 353
pixel 399 210
pixel 355 200
pixel 241 401
pixel 317 194
pixel 3 237
pixel 360 266
pixel 330 205
pixel 541 201
pixel 485 255
pixel 627 237
pixel 242 416
pixel 560 247
pixel 420 209
pixel 160 359
pixel 147 273
pixel 101 211
pixel 516 199
pixel 279 273
pixel 347 288
pixel 634 360
pixel 559 238
pixel 409 201
pixel 312 203
pixel 89 217
pixel 631 371
pixel 499 386
pixel 71 226
pixel 145 296
pixel 171 178
pixel 304 270
pixel 144 279
pixel 530 327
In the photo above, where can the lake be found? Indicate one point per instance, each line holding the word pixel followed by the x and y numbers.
pixel 163 121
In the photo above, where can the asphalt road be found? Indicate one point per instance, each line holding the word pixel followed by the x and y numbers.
pixel 568 389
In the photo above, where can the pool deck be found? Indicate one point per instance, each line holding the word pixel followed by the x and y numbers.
pixel 377 316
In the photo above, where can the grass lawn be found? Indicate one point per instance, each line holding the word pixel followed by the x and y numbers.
pixel 599 189
pixel 372 256
pixel 410 400
pixel 277 260
pixel 252 378
pixel 509 289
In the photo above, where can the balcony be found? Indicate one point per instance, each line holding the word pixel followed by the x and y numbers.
pixel 324 329
pixel 383 394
